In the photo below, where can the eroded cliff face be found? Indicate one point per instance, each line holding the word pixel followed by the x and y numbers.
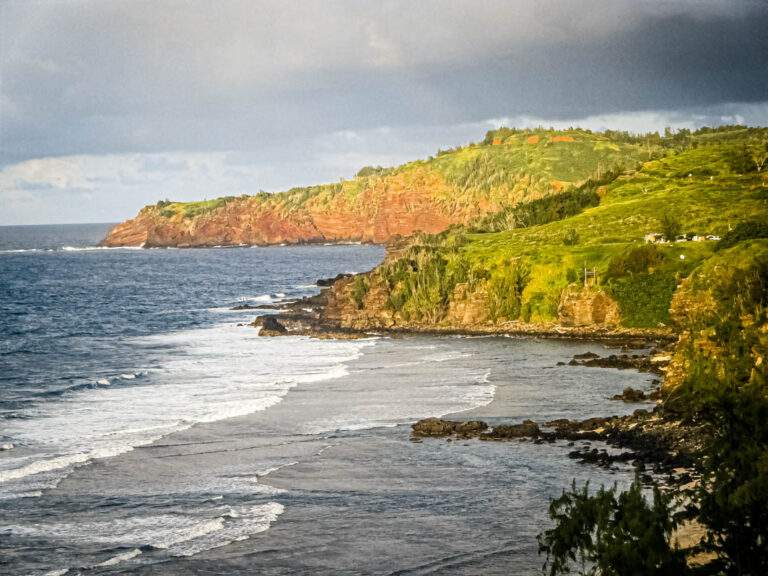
pixel 582 311
pixel 397 206
pixel 587 306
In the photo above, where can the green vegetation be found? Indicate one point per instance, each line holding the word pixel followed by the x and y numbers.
pixel 722 312
pixel 540 211
pixel 744 231
pixel 359 290
pixel 529 164
pixel 600 224
pixel 612 533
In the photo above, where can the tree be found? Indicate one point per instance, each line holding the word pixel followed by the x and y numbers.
pixel 612 533
pixel 670 226
pixel 758 151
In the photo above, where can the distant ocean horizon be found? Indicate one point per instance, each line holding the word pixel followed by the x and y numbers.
pixel 42 237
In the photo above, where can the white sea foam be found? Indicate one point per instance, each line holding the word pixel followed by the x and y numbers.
pixel 446 356
pixel 177 534
pixel 484 379
pixel 93 248
pixel 209 374
pixel 70 249
pixel 438 383
pixel 121 558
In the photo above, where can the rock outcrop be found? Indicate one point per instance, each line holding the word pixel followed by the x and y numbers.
pixel 587 306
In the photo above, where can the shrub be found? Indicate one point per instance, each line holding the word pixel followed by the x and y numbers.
pixel 743 231
pixel 644 299
pixel 670 226
pixel 540 211
pixel 726 389
pixel 359 290
pixel 612 533
pixel 571 237
pixel 505 290
pixel 421 282
pixel 636 260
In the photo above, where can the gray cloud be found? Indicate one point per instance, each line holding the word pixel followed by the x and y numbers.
pixel 276 83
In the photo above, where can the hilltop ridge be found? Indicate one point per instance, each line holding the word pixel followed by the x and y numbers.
pixel 577 261
pixel 454 187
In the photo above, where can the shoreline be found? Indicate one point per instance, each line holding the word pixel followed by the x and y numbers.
pixel 653 437
pixel 309 317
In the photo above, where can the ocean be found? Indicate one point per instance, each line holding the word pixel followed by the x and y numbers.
pixel 149 430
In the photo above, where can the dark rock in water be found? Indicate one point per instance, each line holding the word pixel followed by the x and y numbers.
pixel 620 361
pixel 630 395
pixel 433 427
pixel 586 356
pixel 270 326
pixel 471 428
pixel 325 282
pixel 528 428
pixel 436 427
pixel 243 307
pixel 560 364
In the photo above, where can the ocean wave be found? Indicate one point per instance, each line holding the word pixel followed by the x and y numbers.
pixel 209 374
pixel 262 298
pixel 69 249
pixel 178 534
pixel 120 558
pixel 446 356
pixel 92 248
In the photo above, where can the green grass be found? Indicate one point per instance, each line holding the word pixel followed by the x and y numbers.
pixel 697 186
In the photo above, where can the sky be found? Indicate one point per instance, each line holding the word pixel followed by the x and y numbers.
pixel 108 105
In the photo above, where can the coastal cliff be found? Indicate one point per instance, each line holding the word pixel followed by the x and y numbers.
pixel 455 187
pixel 572 263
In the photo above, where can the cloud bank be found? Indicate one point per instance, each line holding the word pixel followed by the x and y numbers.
pixel 123 103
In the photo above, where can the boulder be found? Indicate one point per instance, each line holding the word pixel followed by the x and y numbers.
pixel 325 282
pixel 270 326
pixel 587 306
pixel 433 427
pixel 471 428
pixel 586 356
pixel 631 395
pixel 528 428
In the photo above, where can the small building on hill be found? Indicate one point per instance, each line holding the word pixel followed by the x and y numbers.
pixel 654 238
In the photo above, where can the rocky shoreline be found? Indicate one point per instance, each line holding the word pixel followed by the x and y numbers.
pixel 648 439
pixel 316 316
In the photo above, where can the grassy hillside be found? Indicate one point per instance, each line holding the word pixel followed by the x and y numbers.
pixel 455 186
pixel 704 184
pixel 522 165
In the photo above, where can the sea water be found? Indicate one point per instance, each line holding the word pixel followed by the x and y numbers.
pixel 153 430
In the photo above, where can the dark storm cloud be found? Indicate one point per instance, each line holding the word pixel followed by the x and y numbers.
pixel 97 77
